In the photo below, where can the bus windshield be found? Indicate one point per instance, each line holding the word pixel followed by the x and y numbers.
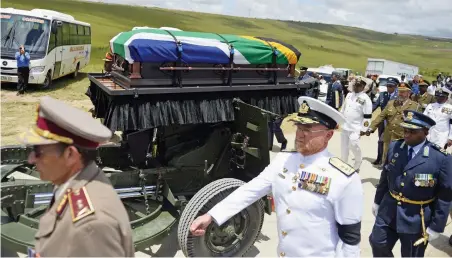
pixel 31 32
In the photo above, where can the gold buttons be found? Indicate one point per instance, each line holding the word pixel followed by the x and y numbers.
pixel 404 173
pixel 400 194
pixel 301 165
pixel 288 211
pixel 402 184
pixel 284 233
pixel 399 203
pixel 294 188
pixel 282 254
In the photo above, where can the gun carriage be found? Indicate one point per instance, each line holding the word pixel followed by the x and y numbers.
pixel 193 109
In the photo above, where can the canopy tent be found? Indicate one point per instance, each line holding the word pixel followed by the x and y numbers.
pixel 158 45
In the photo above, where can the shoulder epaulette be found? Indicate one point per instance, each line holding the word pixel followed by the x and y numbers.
pixel 80 204
pixel 342 166
pixel 438 148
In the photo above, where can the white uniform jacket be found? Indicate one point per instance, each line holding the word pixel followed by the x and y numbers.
pixel 442 115
pixel 307 221
pixel 357 110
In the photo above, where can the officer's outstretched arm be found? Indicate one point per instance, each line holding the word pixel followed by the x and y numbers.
pixel 348 210
pixel 444 196
pixel 380 118
pixel 247 194
pixel 100 237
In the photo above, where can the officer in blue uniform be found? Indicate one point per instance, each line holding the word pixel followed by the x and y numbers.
pixel 414 193
pixel 381 102
pixel 275 130
pixel 335 93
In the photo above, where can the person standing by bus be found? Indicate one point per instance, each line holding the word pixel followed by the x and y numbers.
pixel 23 69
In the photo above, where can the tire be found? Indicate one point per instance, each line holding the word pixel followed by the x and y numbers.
pixel 75 74
pixel 48 81
pixel 202 202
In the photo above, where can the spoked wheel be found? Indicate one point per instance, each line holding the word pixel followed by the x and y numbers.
pixel 234 238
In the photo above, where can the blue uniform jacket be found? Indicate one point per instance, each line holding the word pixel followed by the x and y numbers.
pixel 335 95
pixel 399 176
pixel 383 100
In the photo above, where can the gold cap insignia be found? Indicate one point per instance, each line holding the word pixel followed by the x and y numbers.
pixel 304 108
pixel 409 116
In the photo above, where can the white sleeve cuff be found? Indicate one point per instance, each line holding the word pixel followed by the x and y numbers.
pixel 432 234
pixel 345 250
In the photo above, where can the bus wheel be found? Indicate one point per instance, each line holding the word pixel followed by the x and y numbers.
pixel 75 74
pixel 48 81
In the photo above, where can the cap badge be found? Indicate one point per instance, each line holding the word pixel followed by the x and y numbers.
pixel 304 108
pixel 409 116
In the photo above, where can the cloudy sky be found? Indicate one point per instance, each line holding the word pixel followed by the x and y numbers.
pixel 425 17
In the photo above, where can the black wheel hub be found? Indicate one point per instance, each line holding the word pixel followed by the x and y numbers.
pixel 227 237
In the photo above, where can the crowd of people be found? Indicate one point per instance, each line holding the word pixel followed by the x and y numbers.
pixel 414 195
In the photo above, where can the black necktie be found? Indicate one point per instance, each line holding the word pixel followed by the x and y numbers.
pixel 410 154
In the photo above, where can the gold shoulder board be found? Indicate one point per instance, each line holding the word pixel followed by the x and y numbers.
pixel 80 204
pixel 339 164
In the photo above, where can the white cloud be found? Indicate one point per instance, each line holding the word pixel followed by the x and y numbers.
pixel 431 17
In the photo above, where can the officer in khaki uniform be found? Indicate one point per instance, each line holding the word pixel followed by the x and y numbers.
pixel 393 114
pixel 86 216
pixel 424 98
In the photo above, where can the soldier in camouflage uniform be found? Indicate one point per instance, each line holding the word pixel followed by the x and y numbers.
pixel 393 114
pixel 424 98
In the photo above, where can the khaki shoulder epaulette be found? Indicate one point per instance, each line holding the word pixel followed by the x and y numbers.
pixel 342 166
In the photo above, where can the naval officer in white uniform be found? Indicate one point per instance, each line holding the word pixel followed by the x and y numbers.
pixel 441 113
pixel 357 110
pixel 318 197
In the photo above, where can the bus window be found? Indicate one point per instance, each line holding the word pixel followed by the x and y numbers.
pixel 87 31
pixel 66 38
pixel 59 37
pixel 80 30
pixel 52 42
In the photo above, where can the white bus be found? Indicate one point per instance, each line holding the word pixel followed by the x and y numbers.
pixel 58 44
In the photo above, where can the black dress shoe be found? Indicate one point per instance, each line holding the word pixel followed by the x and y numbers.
pixel 376 162
pixel 450 240
pixel 284 145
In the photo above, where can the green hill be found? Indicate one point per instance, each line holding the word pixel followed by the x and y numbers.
pixel 320 44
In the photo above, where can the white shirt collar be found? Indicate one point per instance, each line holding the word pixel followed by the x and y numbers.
pixel 315 156
pixel 60 189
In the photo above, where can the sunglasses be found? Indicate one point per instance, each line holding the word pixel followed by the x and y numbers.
pixel 39 152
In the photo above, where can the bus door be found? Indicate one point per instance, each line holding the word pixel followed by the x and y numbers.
pixel 57 72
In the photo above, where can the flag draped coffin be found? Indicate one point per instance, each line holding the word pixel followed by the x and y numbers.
pixel 196 93
pixel 156 45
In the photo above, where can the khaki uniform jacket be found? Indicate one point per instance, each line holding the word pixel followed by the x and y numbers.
pixel 92 221
pixel 393 114
pixel 425 99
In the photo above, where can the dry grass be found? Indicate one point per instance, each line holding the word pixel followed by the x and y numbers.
pixel 19 112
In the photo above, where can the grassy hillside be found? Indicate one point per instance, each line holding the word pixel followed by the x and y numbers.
pixel 319 43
